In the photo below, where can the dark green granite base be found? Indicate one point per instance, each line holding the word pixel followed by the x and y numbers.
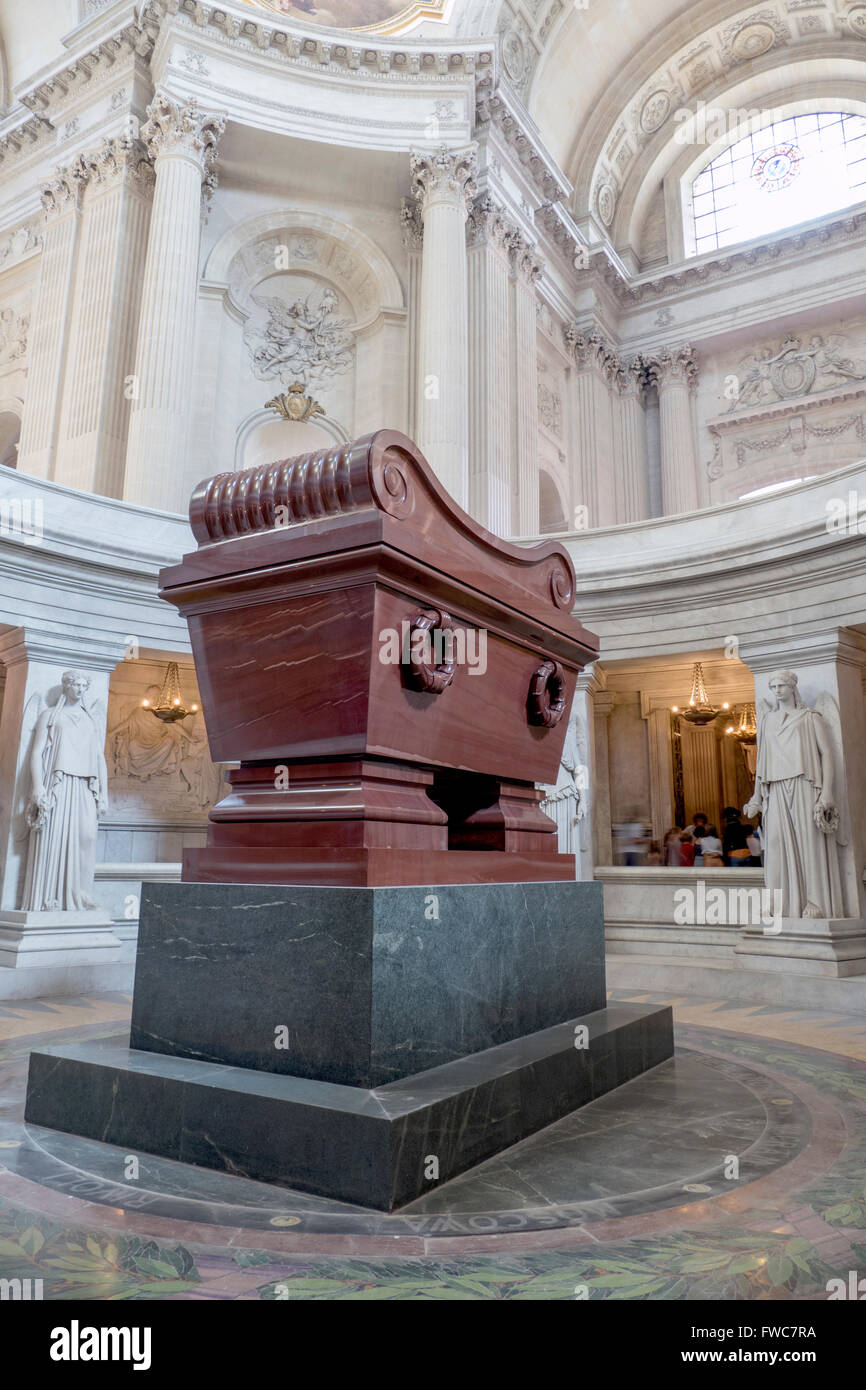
pixel 360 986
pixel 379 1148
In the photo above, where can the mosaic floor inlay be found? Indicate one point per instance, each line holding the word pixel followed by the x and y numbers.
pixel 737 1171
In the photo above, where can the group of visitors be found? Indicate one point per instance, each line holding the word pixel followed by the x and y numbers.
pixel 699 845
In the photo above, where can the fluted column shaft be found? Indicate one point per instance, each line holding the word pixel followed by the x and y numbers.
pixel 96 404
pixel 526 272
pixel 632 500
pixel 442 182
pixel 490 497
pixel 675 374
pixel 596 371
pixel 49 339
pixel 182 142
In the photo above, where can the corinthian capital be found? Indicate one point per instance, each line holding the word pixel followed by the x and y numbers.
pixel 64 191
pixel 524 259
pixel 590 350
pixel 671 366
pixel 181 127
pixel 122 158
pixel 444 176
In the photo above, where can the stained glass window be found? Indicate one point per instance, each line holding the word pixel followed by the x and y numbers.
pixel 789 172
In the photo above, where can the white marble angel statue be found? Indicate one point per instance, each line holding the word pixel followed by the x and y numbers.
pixel 564 802
pixel 797 790
pixel 69 791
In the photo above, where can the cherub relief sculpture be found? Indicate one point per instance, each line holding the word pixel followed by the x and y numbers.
pixel 302 340
pixel 797 790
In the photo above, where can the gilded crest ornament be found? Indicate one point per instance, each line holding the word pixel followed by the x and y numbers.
pixel 295 404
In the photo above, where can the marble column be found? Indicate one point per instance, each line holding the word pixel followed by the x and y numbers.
pixel 675 374
pixel 489 237
pixel 49 338
pixel 632 490
pixel 653 449
pixel 181 139
pixel 602 707
pixel 48 947
pixel 829 663
pixel 443 182
pixel 656 710
pixel 592 707
pixel 96 405
pixel 595 371
pixel 701 775
pixel 413 240
pixel 527 270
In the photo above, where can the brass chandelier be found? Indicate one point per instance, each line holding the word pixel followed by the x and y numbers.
pixel 747 729
pixel 170 707
pixel 699 709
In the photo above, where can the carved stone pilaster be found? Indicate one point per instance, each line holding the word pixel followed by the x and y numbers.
pixel 488 224
pixel 589 350
pixel 411 225
pixel 63 192
pixel 122 159
pixel 524 261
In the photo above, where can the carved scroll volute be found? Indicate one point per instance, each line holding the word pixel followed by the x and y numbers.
pixel 546 702
pixel 420 674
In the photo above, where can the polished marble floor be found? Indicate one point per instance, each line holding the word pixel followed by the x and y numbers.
pixel 735 1171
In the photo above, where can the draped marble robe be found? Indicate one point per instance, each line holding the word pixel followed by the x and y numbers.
pixel 69 787
pixel 564 803
pixel 801 861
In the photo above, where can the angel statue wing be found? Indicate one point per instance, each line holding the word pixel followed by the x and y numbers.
pixel 24 782
pixel 829 710
pixel 762 709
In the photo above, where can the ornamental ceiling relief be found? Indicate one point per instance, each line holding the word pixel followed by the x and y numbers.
pixel 381 16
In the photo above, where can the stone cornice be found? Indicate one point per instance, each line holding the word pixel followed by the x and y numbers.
pixel 22 133
pixel 489 223
pixel 328 49
pixel 496 106
pixel 778 410
pixel 56 83
pixel 555 219
pixel 691 275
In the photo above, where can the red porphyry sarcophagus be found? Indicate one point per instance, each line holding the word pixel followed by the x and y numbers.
pixel 392 678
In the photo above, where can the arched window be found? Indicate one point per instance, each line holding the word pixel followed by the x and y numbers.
pixel 786 173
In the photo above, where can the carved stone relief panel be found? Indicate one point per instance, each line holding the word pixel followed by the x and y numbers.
pixel 158 773
pixel 785 409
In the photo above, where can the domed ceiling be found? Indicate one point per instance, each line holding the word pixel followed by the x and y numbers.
pixel 380 16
